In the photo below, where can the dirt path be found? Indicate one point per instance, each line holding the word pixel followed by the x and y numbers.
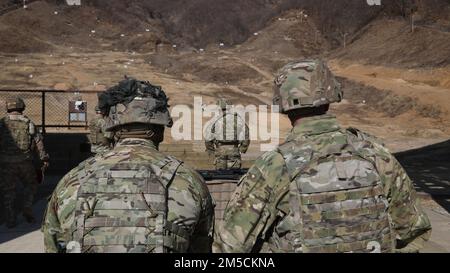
pixel 267 75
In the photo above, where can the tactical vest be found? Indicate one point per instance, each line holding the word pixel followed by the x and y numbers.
pixel 123 208
pixel 337 201
pixel 229 133
pixel 15 137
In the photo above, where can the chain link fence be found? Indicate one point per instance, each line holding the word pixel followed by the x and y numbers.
pixel 51 108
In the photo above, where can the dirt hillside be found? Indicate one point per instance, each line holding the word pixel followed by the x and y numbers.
pixel 390 75
pixel 391 42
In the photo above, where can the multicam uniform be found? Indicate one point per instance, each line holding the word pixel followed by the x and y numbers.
pixel 326 189
pixel 99 139
pixel 133 198
pixel 184 223
pixel 18 139
pixel 260 216
pixel 227 138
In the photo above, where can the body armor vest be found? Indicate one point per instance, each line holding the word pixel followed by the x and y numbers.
pixel 337 201
pixel 123 208
pixel 15 137
pixel 227 130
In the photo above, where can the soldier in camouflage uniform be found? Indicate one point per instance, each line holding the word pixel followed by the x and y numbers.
pixel 326 189
pixel 133 198
pixel 227 138
pixel 19 139
pixel 101 141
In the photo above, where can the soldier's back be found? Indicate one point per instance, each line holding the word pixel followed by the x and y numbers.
pixel 228 128
pixel 15 138
pixel 135 189
pixel 337 192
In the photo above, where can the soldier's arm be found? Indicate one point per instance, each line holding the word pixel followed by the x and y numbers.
pixel 59 214
pixel 209 142
pixel 253 207
pixel 411 225
pixel 203 235
pixel 51 226
pixel 210 138
pixel 190 205
pixel 243 147
pixel 39 143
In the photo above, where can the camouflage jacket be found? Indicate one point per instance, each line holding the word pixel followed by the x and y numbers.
pixel 228 129
pixel 189 206
pixel 254 219
pixel 19 139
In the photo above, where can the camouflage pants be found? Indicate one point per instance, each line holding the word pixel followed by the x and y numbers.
pixel 227 157
pixel 11 174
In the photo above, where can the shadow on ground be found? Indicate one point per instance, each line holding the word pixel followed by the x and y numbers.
pixel 429 168
pixel 39 207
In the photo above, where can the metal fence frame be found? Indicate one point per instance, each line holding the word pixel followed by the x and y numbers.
pixel 43 93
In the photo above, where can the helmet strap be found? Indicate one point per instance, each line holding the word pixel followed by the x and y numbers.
pixel 147 133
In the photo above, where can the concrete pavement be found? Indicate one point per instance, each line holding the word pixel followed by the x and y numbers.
pixel 28 238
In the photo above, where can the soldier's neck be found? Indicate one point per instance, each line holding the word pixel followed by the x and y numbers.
pixel 299 120
pixel 136 140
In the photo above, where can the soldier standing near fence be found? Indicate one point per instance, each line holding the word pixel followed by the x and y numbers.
pixel 227 138
pixel 101 141
pixel 18 140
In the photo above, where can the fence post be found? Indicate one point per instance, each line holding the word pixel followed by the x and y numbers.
pixel 43 112
pixel 86 117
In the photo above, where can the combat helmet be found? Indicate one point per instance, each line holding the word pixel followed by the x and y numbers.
pixel 134 102
pixel 223 103
pixel 15 104
pixel 305 84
